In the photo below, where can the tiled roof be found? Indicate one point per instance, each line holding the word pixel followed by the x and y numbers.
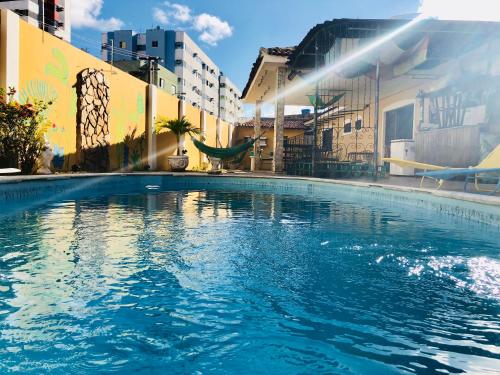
pixel 291 122
pixel 280 51
pixel 274 51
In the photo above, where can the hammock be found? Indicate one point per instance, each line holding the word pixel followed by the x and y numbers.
pixel 321 103
pixel 223 153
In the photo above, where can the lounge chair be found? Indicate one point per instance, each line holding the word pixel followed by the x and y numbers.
pixel 489 165
pixel 9 171
pixel 415 164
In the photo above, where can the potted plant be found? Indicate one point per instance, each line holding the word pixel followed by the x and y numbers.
pixel 180 127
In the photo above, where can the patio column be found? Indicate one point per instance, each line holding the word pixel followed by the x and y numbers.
pixel 256 159
pixel 150 126
pixel 218 141
pixel 203 128
pixel 279 121
pixel 9 51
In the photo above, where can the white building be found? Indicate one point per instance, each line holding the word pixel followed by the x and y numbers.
pixel 198 76
pixel 51 15
pixel 229 101
pixel 199 80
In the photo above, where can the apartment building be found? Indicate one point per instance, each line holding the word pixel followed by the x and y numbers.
pixel 230 104
pixel 199 80
pixel 51 15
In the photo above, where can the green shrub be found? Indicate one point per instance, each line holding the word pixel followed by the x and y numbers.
pixel 22 129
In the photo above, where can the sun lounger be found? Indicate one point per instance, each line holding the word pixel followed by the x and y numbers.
pixel 415 165
pixel 489 166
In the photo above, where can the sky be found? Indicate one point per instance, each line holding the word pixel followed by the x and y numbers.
pixel 232 31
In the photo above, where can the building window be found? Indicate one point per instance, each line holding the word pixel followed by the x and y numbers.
pixel 347 127
pixel 154 44
pixel 179 45
pixel 161 83
pixel 122 45
pixel 358 124
pixel 327 140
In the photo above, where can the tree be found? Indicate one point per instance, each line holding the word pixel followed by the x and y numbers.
pixel 179 127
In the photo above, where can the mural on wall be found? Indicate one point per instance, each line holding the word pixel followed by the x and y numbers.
pixel 92 120
pixel 38 90
pixel 60 68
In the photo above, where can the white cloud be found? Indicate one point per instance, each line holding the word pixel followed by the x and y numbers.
pixel 474 10
pixel 160 16
pixel 212 28
pixel 180 12
pixel 86 13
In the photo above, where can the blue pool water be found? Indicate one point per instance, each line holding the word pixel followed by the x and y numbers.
pixel 163 280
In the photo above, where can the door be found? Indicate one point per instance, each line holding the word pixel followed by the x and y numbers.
pixel 398 125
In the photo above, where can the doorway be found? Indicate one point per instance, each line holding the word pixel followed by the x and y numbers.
pixel 398 125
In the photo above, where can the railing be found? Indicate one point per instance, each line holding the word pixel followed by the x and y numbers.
pixel 328 163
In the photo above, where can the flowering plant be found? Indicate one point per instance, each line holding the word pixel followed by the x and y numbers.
pixel 22 130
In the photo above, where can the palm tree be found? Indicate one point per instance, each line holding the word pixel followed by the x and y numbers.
pixel 179 127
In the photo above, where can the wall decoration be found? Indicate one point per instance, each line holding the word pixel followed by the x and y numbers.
pixel 37 90
pixel 60 69
pixel 93 120
pixel 140 104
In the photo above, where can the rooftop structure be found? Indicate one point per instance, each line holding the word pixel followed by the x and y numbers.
pixel 51 15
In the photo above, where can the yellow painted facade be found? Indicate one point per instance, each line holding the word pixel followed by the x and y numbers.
pixel 167 106
pixel 193 115
pixel 48 70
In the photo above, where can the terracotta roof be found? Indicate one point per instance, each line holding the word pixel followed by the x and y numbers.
pixel 291 122
pixel 274 51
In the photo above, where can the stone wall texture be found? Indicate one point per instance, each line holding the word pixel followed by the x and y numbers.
pixel 93 139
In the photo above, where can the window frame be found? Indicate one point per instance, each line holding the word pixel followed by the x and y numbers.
pixel 346 123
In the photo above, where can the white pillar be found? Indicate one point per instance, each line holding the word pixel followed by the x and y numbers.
pixel 255 166
pixel 203 128
pixel 218 141
pixel 150 126
pixel 279 122
pixel 9 51
pixel 182 108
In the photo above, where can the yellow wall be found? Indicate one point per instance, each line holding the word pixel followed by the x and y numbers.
pixel 224 133
pixel 211 130
pixel 167 107
pixel 195 158
pixel 48 70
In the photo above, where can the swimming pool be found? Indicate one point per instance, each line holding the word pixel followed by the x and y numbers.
pixel 201 275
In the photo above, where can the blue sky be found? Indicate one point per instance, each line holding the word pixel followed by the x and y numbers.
pixel 231 31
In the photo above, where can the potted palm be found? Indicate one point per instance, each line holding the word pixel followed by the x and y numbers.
pixel 180 127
